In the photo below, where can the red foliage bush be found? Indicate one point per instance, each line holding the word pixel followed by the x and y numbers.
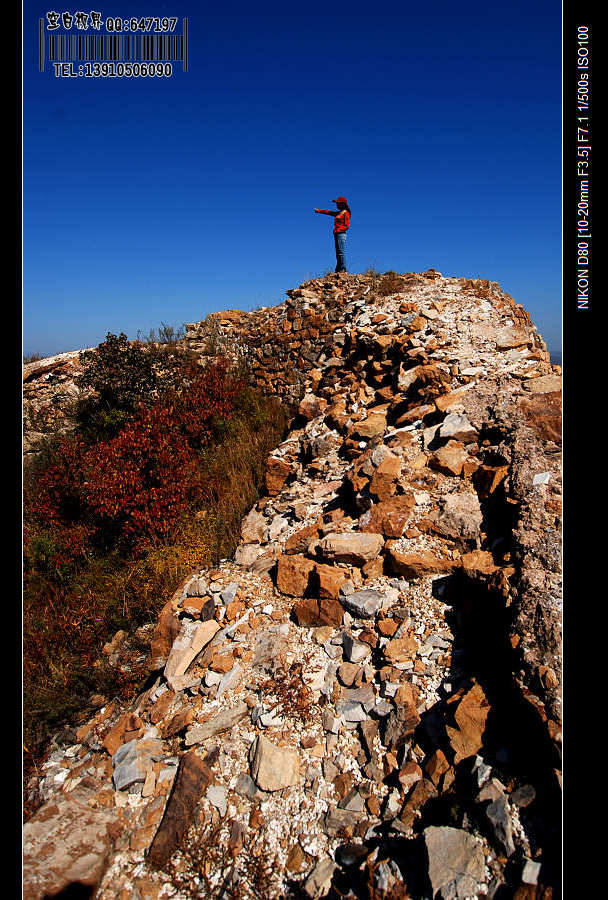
pixel 136 485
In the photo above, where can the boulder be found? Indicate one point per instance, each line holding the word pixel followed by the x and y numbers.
pixel 401 649
pixel 373 426
pixel 457 427
pixel 461 516
pixel 384 480
pixel 478 562
pixel 193 637
pixel 253 527
pixel 66 846
pixel 449 459
pixel 470 716
pixel 293 573
pixel 219 724
pixel 191 781
pixel 277 472
pixel 510 338
pixel 389 517
pixel 165 633
pixel 327 580
pixel 364 604
pixel 456 862
pixel 273 768
pixel 417 565
pixel 313 612
pixel 401 723
pixel 546 384
pixel 353 547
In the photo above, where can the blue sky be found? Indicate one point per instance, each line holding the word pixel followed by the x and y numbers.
pixel 149 200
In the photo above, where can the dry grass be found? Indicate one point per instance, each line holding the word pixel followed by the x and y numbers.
pixel 390 283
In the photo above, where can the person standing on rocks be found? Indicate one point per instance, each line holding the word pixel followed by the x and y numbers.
pixel 341 225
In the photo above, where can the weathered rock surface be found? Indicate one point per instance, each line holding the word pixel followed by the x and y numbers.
pixel 65 843
pixel 456 862
pixel 273 768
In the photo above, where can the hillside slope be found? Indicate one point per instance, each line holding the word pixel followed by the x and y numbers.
pixel 364 701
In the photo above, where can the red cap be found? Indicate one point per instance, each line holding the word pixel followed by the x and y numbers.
pixel 341 200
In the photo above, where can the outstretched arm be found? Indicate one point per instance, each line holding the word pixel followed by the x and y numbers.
pixel 328 212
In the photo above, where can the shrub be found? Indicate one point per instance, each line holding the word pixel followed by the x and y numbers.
pixel 166 335
pixel 135 484
pixel 31 357
pixel 119 376
pixel 390 283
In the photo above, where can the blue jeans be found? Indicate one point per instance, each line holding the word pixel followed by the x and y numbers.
pixel 340 241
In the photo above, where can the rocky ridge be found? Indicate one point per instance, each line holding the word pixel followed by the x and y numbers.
pixel 365 700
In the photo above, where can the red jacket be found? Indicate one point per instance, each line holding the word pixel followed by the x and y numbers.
pixel 342 219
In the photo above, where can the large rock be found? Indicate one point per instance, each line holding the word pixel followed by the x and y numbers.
pixel 277 472
pixel 401 723
pixel 546 384
pixel 389 517
pixel 478 562
pixel 313 612
pixel 461 516
pixel 416 565
pixel 449 459
pixel 327 580
pixel 167 629
pixel 384 480
pixel 273 768
pixel 373 426
pixel 470 715
pixel 219 724
pixel 364 604
pixel 353 547
pixel 293 573
pixel 192 780
pixel 66 846
pixel 456 862
pixel 318 882
pixel 193 637
pixel 457 427
pixel 509 338
pixel 253 527
pixel 401 649
pixel 133 761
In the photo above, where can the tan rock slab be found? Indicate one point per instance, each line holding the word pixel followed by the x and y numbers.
pixel 219 724
pixel 384 481
pixel 273 768
pixel 353 547
pixel 543 385
pixel 277 472
pixel 401 650
pixel 65 843
pixel 416 565
pixel 193 637
pixel 478 562
pixel 327 580
pixel 449 459
pixel 389 517
pixel 373 426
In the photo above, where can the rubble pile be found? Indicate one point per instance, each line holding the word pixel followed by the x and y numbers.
pixel 365 700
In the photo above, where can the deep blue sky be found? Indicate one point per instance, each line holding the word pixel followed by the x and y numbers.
pixel 149 200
